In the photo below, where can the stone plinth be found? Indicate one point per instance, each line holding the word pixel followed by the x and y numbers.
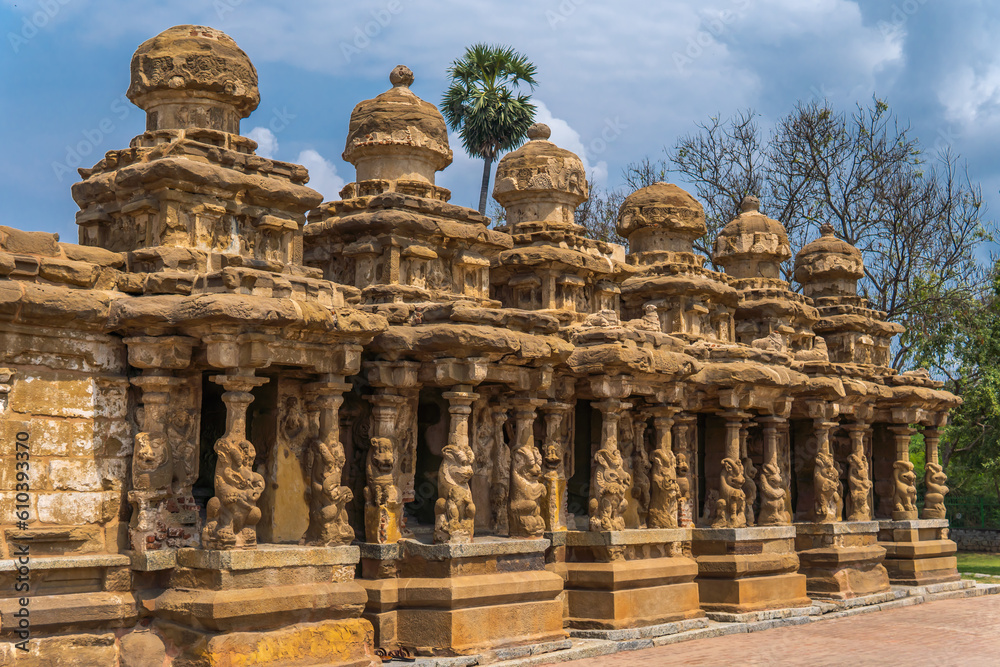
pixel 461 599
pixel 743 570
pixel 77 593
pixel 841 560
pixel 629 578
pixel 273 605
pixel 918 551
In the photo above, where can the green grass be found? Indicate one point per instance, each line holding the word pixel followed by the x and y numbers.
pixel 979 563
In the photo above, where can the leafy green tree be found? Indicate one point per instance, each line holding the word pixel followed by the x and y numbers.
pixel 485 105
pixel 962 345
pixel 918 220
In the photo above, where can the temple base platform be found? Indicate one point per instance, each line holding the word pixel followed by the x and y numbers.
pixel 742 570
pixel 462 599
pixel 841 560
pixel 918 552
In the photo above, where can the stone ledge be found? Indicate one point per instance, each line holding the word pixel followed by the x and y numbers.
pixel 67 562
pixel 646 632
pixel 152 561
pixel 743 534
pixel 911 524
pixel 581 538
pixel 764 615
pixel 267 555
pixel 480 546
pixel 373 551
pixel 838 528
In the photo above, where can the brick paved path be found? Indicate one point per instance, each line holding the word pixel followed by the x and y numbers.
pixel 947 632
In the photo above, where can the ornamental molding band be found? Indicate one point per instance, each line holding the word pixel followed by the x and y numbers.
pixel 265 429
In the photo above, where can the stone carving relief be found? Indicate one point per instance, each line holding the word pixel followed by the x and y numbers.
pixel 826 485
pixel 860 486
pixel 665 491
pixel 454 511
pixel 749 488
pixel 607 507
pixel 383 502
pixel 526 492
pixel 773 510
pixel 233 513
pixel 935 479
pixel 730 506
pixel 904 498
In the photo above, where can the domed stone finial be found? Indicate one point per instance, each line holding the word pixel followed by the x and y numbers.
pixel 401 75
pixel 193 76
pixel 826 229
pixel 539 131
pixel 749 203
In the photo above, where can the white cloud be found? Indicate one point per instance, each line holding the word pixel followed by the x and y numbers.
pixel 323 175
pixel 566 137
pixel 267 143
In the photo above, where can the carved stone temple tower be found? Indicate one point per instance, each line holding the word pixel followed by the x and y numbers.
pixel 264 429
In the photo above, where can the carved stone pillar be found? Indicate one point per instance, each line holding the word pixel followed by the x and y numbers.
pixel 685 444
pixel 749 473
pixel 827 505
pixel 730 508
pixel 324 465
pixel 904 496
pixel 526 488
pixel 454 511
pixel 609 481
pixel 665 492
pixel 554 459
pixel 859 482
pixel 383 499
pixel 934 478
pixel 233 513
pixel 153 524
pixel 773 483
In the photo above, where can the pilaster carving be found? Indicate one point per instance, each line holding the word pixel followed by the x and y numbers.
pixel 324 466
pixel 610 481
pixel 454 511
pixel 526 489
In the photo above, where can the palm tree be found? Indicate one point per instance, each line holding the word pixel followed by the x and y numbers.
pixel 484 106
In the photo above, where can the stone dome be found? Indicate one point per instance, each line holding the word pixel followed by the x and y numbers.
pixel 752 245
pixel 661 217
pixel 193 76
pixel 829 266
pixel 397 135
pixel 540 182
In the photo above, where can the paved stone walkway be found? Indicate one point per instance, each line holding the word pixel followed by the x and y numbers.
pixel 962 632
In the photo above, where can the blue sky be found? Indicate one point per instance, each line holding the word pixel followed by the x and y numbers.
pixel 617 81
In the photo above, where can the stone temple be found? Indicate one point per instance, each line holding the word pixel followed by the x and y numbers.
pixel 258 428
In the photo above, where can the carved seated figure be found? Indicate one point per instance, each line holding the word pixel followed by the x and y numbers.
pixel 859 486
pixel 382 497
pixel 526 492
pixel 665 490
pixel 454 511
pixel 935 479
pixel 328 523
pixel 730 507
pixel 608 503
pixel 904 497
pixel 772 497
pixel 233 513
pixel 826 485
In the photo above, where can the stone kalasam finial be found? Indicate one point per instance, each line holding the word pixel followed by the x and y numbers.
pixel 539 131
pixel 401 75
pixel 193 76
pixel 397 136
pixel 826 229
pixel 749 203
pixel 829 266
